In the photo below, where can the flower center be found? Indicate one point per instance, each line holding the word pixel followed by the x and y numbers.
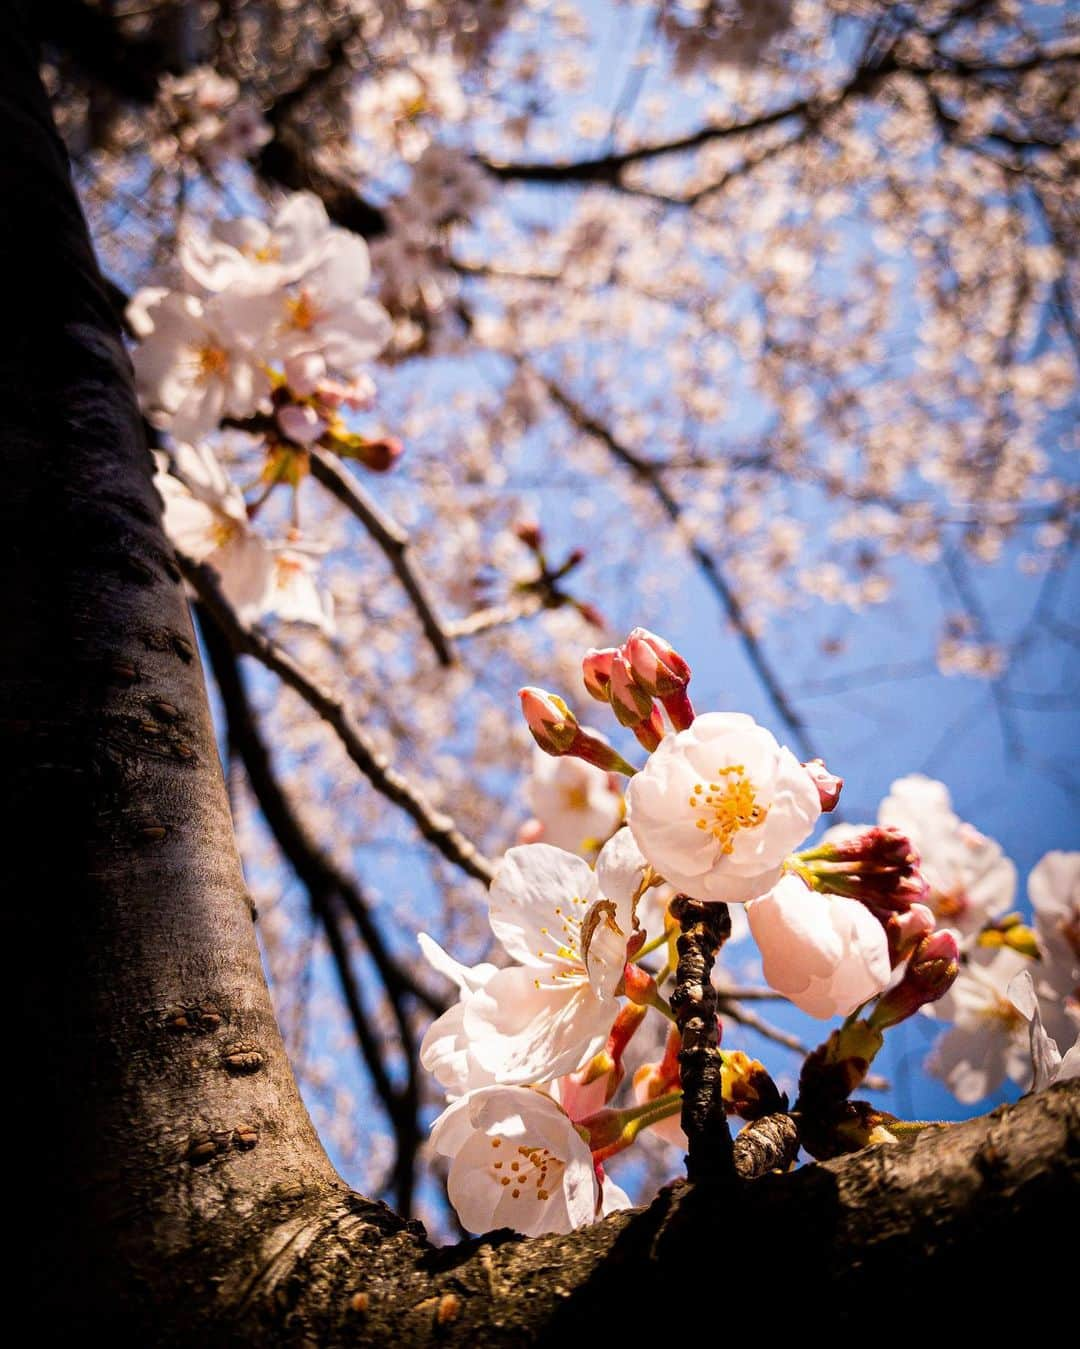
pixel 222 530
pixel 1001 1010
pixel 528 1167
pixel 729 805
pixel 213 362
pixel 304 313
pixel 575 798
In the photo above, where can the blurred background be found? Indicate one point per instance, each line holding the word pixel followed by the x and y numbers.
pixel 754 324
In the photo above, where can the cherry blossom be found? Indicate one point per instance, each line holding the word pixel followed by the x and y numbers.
pixel 574 803
pixel 206 519
pixel 719 806
pixel 1054 891
pixel 445 1049
pixel 328 315
pixel 201 361
pixel 827 953
pixel 1048 1064
pixel 988 1041
pixel 246 253
pixel 517 1161
pixel 206 116
pixel 969 876
pixel 294 594
pixel 552 1012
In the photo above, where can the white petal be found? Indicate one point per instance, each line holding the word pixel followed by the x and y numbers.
pixel 522 1033
pixel 536 902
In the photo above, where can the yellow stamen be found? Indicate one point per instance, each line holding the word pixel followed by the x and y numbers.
pixel 733 806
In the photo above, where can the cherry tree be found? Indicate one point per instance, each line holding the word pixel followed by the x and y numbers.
pixel 313 217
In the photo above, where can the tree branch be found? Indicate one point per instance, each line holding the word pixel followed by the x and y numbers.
pixel 649 474
pixel 392 539
pixel 436 826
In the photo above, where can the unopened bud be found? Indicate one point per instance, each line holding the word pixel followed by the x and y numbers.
pixel 649 733
pixel 906 930
pixel 828 784
pixel 530 534
pixel 929 975
pixel 380 455
pixel 596 671
pixel 667 665
pixel 629 701
pixel 554 727
pixel 878 867
pixel 748 1090
pixel 657 667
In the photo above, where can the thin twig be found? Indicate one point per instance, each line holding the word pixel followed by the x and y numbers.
pixel 735 1011
pixel 436 826
pixel 494 616
pixel 328 469
pixel 647 472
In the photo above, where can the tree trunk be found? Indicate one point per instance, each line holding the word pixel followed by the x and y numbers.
pixel 173 1190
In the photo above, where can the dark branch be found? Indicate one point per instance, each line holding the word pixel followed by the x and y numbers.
pixel 327 469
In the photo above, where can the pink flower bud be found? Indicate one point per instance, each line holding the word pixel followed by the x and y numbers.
pixel 657 666
pixel 828 784
pixel 906 930
pixel 300 424
pixel 629 701
pixel 649 733
pixel 530 534
pixel 304 372
pixel 596 671
pixel 554 727
pixel 929 975
pixel 380 455
pixel 878 867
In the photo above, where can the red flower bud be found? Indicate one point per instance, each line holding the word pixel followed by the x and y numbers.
pixel 929 974
pixel 596 671
pixel 629 701
pixel 657 666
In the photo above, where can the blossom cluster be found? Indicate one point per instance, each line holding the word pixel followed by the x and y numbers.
pixel 267 329
pixel 872 923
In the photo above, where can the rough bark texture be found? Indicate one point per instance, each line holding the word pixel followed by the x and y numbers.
pixel 172 1190
pixel 703 930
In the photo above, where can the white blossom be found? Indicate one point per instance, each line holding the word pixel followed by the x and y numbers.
pixel 294 595
pixel 989 1038
pixel 719 806
pixel 516 1161
pixel 576 804
pixel 970 878
pixel 1048 1065
pixel 246 253
pixel 445 1049
pixel 550 1013
pixel 327 313
pixel 206 518
pixel 828 954
pixel 202 360
pixel 1054 891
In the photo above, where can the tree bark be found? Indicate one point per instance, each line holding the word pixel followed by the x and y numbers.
pixel 172 1189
